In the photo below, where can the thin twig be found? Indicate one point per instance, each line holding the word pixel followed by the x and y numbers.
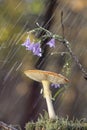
pixel 6 127
pixel 62 25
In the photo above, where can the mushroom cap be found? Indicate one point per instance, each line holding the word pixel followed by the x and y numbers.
pixel 40 75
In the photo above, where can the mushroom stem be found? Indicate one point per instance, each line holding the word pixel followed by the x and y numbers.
pixel 48 96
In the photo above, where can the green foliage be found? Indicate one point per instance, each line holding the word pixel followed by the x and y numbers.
pixel 44 123
pixel 36 6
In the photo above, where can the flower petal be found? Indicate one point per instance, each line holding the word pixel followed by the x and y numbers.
pixel 30 47
pixel 55 85
pixel 37 50
pixel 51 43
pixel 27 43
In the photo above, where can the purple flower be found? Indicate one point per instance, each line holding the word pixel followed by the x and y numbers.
pixel 51 43
pixel 27 43
pixel 30 47
pixel 37 50
pixel 34 47
pixel 55 85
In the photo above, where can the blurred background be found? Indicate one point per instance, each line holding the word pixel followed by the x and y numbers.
pixel 20 98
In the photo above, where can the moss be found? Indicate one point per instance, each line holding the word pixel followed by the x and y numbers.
pixel 44 123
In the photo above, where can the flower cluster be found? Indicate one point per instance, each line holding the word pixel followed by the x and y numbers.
pixel 35 47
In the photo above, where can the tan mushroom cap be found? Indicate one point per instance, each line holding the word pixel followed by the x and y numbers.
pixel 40 75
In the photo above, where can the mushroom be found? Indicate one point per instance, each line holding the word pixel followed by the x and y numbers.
pixel 47 77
